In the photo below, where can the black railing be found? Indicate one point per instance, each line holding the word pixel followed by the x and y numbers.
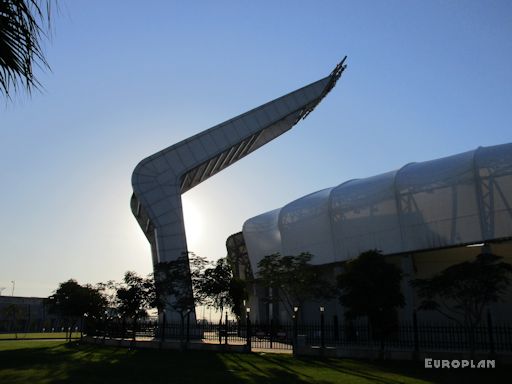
pixel 408 336
pixel 13 329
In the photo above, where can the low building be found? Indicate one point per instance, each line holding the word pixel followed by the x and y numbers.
pixel 26 314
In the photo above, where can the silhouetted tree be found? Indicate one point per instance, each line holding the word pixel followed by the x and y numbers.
pixel 175 283
pixel 218 288
pixel 292 280
pixel 370 287
pixel 72 300
pixel 238 294
pixel 134 297
pixel 109 292
pixel 462 291
pixel 13 313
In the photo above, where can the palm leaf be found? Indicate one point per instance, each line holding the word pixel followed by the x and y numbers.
pixel 23 23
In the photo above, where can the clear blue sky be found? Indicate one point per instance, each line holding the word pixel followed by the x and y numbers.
pixel 425 79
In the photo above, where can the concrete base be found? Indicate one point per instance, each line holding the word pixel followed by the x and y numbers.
pixel 173 345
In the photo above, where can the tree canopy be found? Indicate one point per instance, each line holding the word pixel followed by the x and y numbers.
pixel 134 296
pixel 220 289
pixel 73 300
pixel 370 287
pixel 176 281
pixel 293 279
pixel 462 291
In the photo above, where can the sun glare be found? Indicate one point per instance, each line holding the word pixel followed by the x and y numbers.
pixel 193 222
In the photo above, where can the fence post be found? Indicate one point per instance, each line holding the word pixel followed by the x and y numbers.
pixel 162 334
pixel 226 335
pixel 415 330
pixel 123 328
pixel 489 330
pixel 188 326
pixel 220 330
pixel 295 329
pixel 322 328
pixel 336 329
pixel 271 332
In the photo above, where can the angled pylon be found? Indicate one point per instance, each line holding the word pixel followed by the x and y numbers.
pixel 159 180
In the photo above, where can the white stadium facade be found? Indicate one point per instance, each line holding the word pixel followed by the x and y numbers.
pixel 424 217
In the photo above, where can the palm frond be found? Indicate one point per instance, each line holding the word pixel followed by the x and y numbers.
pixel 23 24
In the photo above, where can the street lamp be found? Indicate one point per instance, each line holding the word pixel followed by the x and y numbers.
pixel 322 327
pixel 83 322
pixel 295 326
pixel 248 328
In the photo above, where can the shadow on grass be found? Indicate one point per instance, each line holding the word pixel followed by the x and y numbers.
pixel 390 372
pixel 58 363
pixel 253 368
pixel 340 370
pixel 74 363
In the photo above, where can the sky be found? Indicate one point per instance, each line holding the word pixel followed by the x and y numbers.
pixel 425 79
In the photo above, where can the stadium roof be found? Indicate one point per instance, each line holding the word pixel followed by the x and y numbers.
pixel 460 199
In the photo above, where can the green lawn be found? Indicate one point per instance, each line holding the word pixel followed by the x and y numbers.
pixel 38 335
pixel 37 362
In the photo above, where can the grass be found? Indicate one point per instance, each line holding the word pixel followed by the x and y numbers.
pixel 52 362
pixel 38 335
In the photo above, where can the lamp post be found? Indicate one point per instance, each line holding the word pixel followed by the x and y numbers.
pixel 295 326
pixel 248 329
pixel 322 327
pixel 105 327
pixel 82 326
pixel 188 325
pixel 164 325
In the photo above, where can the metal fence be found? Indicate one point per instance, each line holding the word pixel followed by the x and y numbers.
pixel 25 329
pixel 408 336
pixel 413 336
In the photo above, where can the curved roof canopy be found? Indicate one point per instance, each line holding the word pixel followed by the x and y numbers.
pixel 159 180
pixel 456 200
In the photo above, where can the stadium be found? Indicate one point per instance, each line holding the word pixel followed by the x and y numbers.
pixel 424 217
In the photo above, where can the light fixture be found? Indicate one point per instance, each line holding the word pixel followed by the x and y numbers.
pixel 322 309
pixel 475 245
pixel 248 309
pixel 295 309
